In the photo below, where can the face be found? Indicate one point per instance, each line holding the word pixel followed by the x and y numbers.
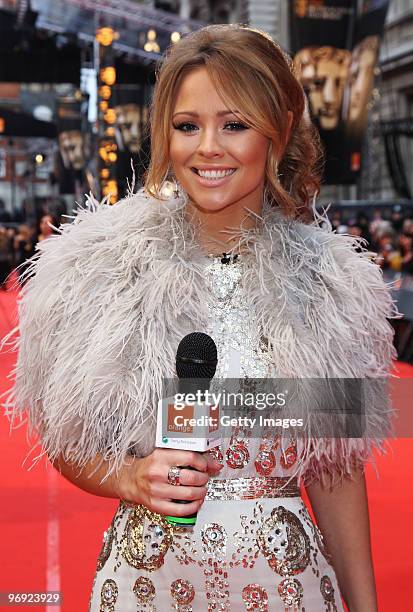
pixel 71 149
pixel 129 117
pixel 361 80
pixel 355 230
pixel 218 160
pixel 45 229
pixel 324 79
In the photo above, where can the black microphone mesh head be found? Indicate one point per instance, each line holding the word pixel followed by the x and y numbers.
pixel 196 356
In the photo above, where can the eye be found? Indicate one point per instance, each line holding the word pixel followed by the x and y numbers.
pixel 236 126
pixel 185 127
pixel 232 126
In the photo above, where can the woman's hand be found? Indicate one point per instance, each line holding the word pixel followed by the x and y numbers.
pixel 145 481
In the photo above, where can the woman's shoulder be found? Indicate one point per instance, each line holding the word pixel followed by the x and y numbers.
pixel 342 293
pixel 339 257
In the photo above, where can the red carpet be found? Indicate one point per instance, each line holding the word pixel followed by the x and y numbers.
pixel 51 531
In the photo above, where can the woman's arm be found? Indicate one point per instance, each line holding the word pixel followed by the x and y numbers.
pixel 343 518
pixel 144 480
pixel 89 479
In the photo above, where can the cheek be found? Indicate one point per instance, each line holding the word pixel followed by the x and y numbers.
pixel 252 153
pixel 179 150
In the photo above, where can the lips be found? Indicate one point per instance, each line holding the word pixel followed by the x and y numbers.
pixel 198 170
pixel 213 178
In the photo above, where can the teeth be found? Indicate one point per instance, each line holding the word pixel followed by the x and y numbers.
pixel 215 174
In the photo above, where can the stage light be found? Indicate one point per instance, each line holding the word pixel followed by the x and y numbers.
pixel 110 115
pixel 151 45
pixel 108 75
pixel 106 36
pixel 111 189
pixel 175 36
pixel 39 158
pixel 103 153
pixel 105 92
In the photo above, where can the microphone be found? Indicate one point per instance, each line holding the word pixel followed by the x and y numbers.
pixel 196 363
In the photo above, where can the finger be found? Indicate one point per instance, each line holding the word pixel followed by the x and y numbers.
pixel 171 492
pixel 193 478
pixel 192 458
pixel 214 466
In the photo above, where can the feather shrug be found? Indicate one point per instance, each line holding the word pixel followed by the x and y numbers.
pixel 109 298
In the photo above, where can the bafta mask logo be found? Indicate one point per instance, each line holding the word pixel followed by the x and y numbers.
pixel 363 63
pixel 129 119
pixel 71 149
pixel 323 72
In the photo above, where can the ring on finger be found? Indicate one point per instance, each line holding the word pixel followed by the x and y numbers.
pixel 173 475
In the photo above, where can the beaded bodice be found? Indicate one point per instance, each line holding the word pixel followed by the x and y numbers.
pixel 242 354
pixel 232 321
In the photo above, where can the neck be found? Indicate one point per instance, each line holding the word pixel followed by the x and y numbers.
pixel 219 231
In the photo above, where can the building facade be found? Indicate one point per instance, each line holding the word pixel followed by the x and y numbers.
pixel 388 151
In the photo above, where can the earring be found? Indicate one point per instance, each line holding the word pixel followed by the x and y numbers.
pixel 171 178
pixel 176 189
pixel 277 174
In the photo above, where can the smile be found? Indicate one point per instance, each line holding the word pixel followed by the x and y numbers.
pixel 213 177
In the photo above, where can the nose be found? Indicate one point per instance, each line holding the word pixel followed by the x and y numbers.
pixel 209 143
pixel 329 91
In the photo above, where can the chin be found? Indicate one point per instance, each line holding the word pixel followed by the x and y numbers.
pixel 208 203
pixel 329 124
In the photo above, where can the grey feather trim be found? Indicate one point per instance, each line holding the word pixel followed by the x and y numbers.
pixel 109 299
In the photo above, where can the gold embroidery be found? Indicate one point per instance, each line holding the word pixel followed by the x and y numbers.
pixel 108 596
pixel 106 548
pixel 183 593
pixel 146 539
pixel 144 590
pixel 284 542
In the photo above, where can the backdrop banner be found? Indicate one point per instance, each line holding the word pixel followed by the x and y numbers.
pixel 335 46
pixel 131 106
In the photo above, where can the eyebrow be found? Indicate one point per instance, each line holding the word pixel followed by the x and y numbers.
pixel 193 114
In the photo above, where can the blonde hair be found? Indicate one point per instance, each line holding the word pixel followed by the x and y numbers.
pixel 251 71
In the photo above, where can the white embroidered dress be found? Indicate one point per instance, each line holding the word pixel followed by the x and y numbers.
pixel 254 545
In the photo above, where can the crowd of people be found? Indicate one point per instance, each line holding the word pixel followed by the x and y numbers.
pixel 18 239
pixel 390 236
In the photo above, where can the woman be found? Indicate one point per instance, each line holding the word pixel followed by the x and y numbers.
pixel 47 225
pixel 119 289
